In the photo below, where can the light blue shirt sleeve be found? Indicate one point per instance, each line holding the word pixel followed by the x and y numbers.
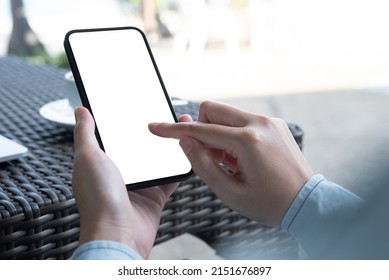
pixel 314 219
pixel 104 250
pixel 317 213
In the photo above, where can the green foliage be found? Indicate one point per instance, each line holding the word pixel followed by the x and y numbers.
pixel 59 60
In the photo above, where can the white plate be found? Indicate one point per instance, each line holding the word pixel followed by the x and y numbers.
pixel 59 112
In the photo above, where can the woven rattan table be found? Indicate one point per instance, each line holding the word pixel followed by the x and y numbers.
pixel 38 214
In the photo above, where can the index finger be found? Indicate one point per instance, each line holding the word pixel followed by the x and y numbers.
pixel 213 135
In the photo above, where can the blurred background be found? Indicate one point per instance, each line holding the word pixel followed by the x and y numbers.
pixel 224 48
pixel 323 64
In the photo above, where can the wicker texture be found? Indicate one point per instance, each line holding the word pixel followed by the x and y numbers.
pixel 38 215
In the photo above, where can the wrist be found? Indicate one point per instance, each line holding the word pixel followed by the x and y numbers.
pixel 287 196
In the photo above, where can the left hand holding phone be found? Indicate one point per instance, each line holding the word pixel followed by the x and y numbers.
pixel 107 210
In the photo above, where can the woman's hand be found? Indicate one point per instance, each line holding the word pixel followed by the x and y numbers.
pixel 266 167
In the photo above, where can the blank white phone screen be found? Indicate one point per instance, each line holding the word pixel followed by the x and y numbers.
pixel 125 95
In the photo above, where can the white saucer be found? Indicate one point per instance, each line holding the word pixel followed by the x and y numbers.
pixel 59 112
pixel 179 102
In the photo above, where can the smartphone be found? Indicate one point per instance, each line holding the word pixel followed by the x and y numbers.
pixel 119 82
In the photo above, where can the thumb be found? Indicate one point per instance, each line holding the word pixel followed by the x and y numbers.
pixel 203 164
pixel 84 131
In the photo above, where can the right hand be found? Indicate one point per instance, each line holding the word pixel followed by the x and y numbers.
pixel 268 168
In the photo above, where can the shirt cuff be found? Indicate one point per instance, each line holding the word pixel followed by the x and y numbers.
pixel 298 202
pixel 104 250
pixel 319 202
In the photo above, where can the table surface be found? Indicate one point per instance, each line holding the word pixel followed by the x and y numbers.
pixel 38 216
pixel 36 188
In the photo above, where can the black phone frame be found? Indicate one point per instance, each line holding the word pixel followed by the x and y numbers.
pixel 86 104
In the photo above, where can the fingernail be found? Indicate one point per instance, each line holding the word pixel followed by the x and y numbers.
pixel 186 145
pixel 154 126
pixel 77 113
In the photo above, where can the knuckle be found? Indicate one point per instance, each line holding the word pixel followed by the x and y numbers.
pixel 204 107
pixel 271 122
pixel 264 120
pixel 251 135
pixel 263 130
pixel 279 121
pixel 205 104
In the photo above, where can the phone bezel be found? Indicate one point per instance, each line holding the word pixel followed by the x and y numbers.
pixel 85 101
